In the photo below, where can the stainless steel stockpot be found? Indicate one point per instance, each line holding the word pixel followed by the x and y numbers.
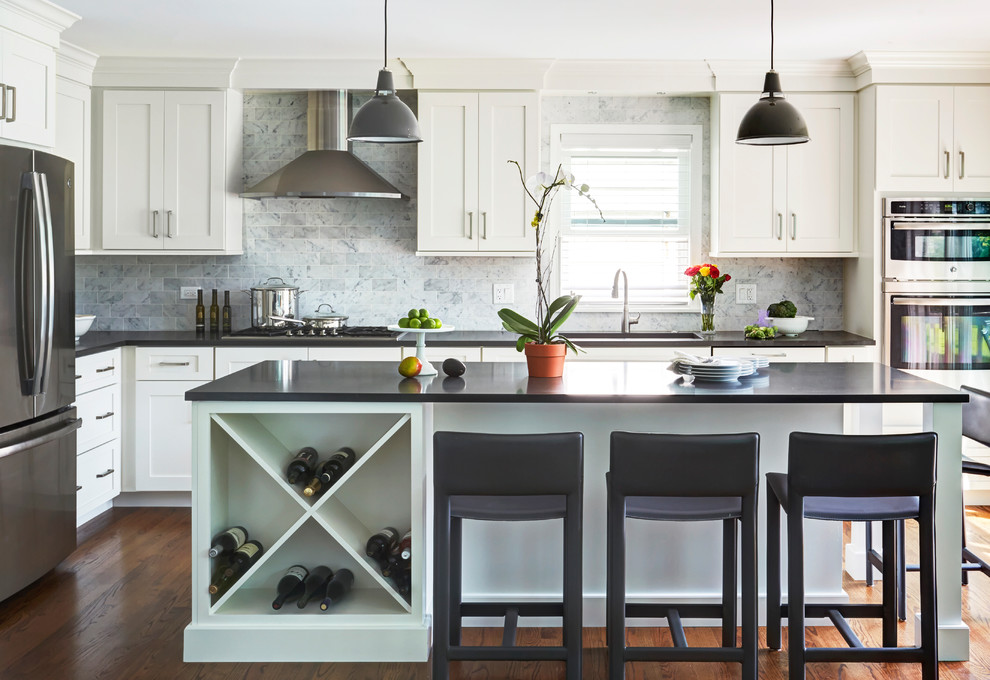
pixel 273 300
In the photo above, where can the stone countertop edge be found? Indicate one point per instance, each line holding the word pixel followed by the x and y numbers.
pixel 99 341
pixel 583 382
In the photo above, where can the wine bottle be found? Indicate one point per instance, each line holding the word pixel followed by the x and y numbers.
pixel 225 312
pixel 316 485
pixel 316 585
pixel 405 547
pixel 335 467
pixel 337 588
pixel 200 312
pixel 291 586
pixel 228 541
pixel 214 313
pixel 381 545
pixel 302 466
pixel 219 582
pixel 235 565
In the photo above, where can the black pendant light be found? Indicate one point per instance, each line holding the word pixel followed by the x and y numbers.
pixel 385 118
pixel 772 120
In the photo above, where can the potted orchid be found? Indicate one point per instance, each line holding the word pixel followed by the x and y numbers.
pixel 544 346
pixel 706 281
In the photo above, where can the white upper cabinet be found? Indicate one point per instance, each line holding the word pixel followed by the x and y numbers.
pixel 165 172
pixel 470 198
pixel 73 138
pixel 933 138
pixel 794 200
pixel 27 74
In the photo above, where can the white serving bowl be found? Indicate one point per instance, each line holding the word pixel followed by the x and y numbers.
pixel 792 326
pixel 83 322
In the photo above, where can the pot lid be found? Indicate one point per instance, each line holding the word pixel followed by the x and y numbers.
pixel 331 315
pixel 267 285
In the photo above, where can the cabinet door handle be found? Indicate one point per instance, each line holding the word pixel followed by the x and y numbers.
pixel 3 101
pixel 105 474
pixel 154 223
pixel 484 225
pixel 13 104
pixel 104 370
pixel 78 376
pixel 168 223
pixel 173 363
pixel 470 224
pixel 769 354
pixel 946 165
pixel 793 226
pixel 962 163
pixel 105 415
pixel 78 488
pixel 780 226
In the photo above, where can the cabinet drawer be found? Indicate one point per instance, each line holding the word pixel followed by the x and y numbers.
pixel 232 359
pixel 774 354
pixel 850 354
pixel 97 370
pixel 440 354
pixel 100 413
pixel 355 354
pixel 173 363
pixel 97 476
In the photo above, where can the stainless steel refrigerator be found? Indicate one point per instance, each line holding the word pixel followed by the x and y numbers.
pixel 37 366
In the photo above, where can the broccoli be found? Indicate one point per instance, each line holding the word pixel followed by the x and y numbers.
pixel 785 309
pixel 760 332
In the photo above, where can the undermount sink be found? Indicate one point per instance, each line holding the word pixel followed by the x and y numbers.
pixel 671 336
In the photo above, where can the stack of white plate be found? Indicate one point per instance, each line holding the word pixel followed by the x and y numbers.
pixel 726 370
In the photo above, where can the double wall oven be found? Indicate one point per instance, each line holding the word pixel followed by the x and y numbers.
pixel 937 288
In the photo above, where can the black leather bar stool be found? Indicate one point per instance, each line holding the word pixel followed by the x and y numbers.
pixel 684 478
pixel 853 478
pixel 505 477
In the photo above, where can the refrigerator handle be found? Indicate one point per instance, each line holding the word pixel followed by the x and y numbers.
pixel 50 436
pixel 46 233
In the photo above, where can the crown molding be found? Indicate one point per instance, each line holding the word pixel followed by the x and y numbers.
pixel 478 74
pixel 37 19
pixel 75 63
pixel 833 75
pixel 873 68
pixel 316 74
pixel 629 77
pixel 163 72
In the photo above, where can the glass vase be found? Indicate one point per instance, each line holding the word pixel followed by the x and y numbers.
pixel 708 314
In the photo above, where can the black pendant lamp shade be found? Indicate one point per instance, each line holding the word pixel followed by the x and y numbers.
pixel 772 120
pixel 385 118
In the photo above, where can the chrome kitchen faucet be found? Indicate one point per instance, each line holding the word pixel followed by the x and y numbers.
pixel 624 326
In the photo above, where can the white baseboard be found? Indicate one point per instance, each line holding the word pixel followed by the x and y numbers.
pixel 160 499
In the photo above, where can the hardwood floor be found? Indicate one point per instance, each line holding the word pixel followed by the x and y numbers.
pixel 116 609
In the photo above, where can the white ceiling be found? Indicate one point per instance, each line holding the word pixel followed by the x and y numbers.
pixel 572 29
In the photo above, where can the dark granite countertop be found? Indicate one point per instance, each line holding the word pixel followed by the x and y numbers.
pixel 94 342
pixel 583 382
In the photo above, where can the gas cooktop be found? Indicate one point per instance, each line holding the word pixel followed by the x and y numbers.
pixel 308 332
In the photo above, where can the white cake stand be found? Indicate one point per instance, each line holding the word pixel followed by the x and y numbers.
pixel 421 333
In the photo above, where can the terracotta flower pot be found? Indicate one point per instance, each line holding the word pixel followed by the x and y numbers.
pixel 545 361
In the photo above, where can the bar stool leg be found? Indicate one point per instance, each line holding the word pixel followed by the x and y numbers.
pixel 773 569
pixel 929 628
pixel 868 533
pixel 455 578
pixel 890 583
pixel 901 573
pixel 750 622
pixel 795 588
pixel 573 593
pixel 616 587
pixel 730 587
pixel 441 595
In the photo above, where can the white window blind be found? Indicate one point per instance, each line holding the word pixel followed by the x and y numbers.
pixel 643 184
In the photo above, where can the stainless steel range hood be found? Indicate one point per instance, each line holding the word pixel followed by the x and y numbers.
pixel 328 169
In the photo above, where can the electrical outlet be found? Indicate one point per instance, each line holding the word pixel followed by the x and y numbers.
pixel 188 292
pixel 745 293
pixel 502 293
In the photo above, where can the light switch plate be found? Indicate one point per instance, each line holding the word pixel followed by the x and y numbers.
pixel 745 293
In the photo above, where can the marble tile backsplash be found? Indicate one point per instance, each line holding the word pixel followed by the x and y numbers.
pixel 359 254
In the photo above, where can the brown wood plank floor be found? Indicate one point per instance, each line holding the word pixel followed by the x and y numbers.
pixel 117 607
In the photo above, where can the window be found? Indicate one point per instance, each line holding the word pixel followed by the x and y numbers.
pixel 647 182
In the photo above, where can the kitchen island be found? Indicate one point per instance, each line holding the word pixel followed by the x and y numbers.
pixel 248 425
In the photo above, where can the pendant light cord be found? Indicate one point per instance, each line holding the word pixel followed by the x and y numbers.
pixel 771 33
pixel 385 48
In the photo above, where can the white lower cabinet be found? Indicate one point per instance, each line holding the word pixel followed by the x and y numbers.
pixel 440 354
pixel 232 359
pixel 161 459
pixel 592 353
pixel 98 451
pixel 355 354
pixel 242 450
pixel 774 354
